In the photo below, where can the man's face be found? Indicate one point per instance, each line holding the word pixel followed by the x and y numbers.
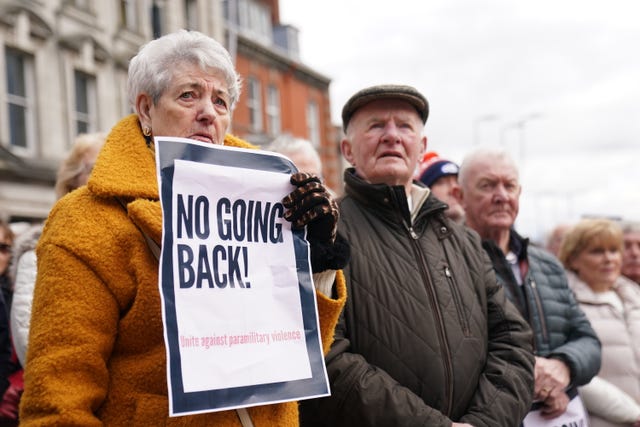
pixel 631 256
pixel 384 141
pixel 490 195
pixel 447 190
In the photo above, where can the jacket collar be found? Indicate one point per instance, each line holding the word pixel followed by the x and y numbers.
pixel 126 169
pixel 388 200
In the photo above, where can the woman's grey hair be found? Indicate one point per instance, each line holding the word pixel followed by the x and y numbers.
pixel 151 70
pixel 285 144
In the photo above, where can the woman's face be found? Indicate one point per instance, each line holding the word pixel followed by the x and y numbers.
pixel 598 264
pixel 196 105
pixel 5 251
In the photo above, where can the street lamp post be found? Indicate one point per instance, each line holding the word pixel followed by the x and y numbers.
pixel 476 125
pixel 520 125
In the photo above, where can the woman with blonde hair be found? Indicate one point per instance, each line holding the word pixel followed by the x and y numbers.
pixel 75 169
pixel 592 253
pixel 73 173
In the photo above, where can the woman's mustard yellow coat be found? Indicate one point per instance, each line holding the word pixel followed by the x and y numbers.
pixel 96 353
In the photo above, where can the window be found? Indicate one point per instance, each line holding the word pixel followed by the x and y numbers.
pixel 85 113
pixel 255 18
pixel 255 105
pixel 83 4
pixel 157 19
pixel 191 14
pixel 313 123
pixel 273 109
pixel 20 100
pixel 128 16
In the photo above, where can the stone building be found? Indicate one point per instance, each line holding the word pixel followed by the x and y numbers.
pixel 63 69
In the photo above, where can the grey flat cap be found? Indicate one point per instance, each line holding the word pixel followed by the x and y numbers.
pixel 373 93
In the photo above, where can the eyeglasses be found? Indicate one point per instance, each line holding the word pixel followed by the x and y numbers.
pixel 5 248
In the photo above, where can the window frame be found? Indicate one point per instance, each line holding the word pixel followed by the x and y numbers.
pixel 313 123
pixel 254 103
pixel 89 117
pixel 129 15
pixel 27 103
pixel 191 14
pixel 273 110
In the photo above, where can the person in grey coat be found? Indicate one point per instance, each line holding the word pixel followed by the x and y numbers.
pixel 427 336
pixel 566 346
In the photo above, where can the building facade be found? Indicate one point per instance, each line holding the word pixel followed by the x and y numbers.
pixel 63 70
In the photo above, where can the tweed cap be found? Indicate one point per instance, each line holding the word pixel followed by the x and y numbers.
pixel 374 93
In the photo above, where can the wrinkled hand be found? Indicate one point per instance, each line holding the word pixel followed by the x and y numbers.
pixel 552 377
pixel 311 205
pixel 556 404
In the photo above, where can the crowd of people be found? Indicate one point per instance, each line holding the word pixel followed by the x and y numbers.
pixel 433 310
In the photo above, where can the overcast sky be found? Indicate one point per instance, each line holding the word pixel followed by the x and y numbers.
pixel 556 82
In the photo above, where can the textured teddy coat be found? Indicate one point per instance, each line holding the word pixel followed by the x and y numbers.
pixel 96 353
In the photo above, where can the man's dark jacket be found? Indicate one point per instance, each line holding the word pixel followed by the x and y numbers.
pixel 427 335
pixel 561 329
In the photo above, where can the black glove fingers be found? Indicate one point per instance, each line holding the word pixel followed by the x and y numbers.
pixel 301 178
pixel 294 198
pixel 304 204
pixel 311 205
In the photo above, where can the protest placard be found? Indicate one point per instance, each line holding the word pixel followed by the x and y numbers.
pixel 238 303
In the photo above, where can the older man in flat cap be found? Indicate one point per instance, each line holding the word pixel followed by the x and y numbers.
pixel 427 337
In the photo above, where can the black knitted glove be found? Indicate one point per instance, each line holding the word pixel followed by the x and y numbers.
pixel 311 205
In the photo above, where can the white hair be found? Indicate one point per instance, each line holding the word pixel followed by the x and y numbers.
pixel 287 144
pixel 481 154
pixel 151 70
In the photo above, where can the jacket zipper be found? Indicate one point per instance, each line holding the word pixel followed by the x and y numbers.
pixel 448 371
pixel 457 300
pixel 543 322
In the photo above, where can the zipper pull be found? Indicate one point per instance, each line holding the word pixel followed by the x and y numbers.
pixel 447 272
pixel 414 236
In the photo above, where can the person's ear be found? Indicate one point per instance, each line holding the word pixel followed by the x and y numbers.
pixel 143 108
pixel 347 152
pixel 423 143
pixel 456 193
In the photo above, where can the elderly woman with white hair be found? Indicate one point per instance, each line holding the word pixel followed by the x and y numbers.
pixel 96 353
